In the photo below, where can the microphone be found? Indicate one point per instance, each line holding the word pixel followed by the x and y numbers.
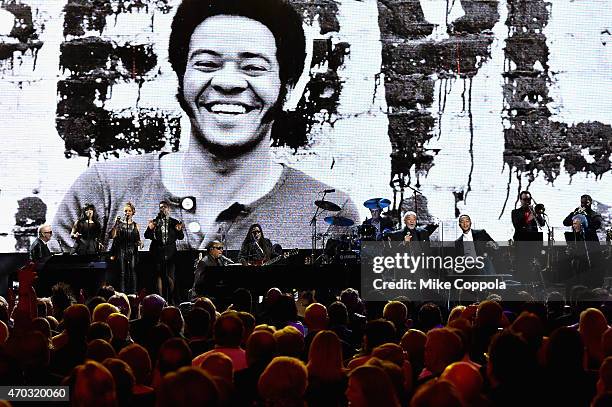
pixel 329 191
pixel 227 260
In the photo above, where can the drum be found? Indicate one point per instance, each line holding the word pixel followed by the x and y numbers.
pixel 367 232
pixel 337 244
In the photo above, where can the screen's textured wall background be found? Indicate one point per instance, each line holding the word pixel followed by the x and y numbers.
pixel 468 100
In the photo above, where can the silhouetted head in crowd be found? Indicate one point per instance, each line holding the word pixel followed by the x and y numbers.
pixel 174 354
pixel 489 315
pixel 248 323
pixel 121 301
pixel 197 323
pixel 429 317
pixel 119 325
pixel 102 311
pixel 172 317
pixel 467 381
pixel 159 334
pixel 396 312
pixel 436 393
pixel 106 292
pixel 564 351
pixel 350 298
pixel 93 302
pixel 592 325
pixel 76 321
pixel 377 332
pixel 442 348
pixel 228 330
pixel 139 361
pixel 390 352
pixel 218 364
pixel 289 341
pixel 209 306
pixel 370 386
pixel 260 348
pixel 315 317
pixel 152 306
pixel 530 326
pixel 284 310
pixel 283 382
pixel 41 325
pixel 325 360
pixel 512 361
pixel 99 349
pixel 99 330
pixel 123 377
pixel 395 374
pixel 338 314
pixel 93 385
pixel 62 298
pixel 242 300
pixel 187 387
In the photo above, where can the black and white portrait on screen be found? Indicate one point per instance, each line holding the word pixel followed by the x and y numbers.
pixel 454 97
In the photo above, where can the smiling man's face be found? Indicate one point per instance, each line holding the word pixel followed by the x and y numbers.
pixel 231 81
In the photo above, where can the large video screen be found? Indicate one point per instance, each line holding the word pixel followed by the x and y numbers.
pixel 441 107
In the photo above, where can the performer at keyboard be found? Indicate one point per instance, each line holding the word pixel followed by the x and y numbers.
pixel 213 258
pixel 164 231
pixel 256 249
pixel 593 219
pixel 126 241
pixel 39 249
pixel 526 219
pixel 86 232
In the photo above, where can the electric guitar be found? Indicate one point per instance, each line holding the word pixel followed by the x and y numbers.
pixel 285 255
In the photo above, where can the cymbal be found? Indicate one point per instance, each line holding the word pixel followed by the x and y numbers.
pixel 339 221
pixel 328 206
pixel 377 203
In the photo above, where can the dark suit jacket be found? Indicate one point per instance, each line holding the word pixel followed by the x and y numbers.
pixel 419 234
pixel 38 250
pixel 480 236
pixel 521 227
pixel 157 246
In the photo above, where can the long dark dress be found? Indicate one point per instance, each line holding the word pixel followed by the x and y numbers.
pixel 87 243
pixel 125 247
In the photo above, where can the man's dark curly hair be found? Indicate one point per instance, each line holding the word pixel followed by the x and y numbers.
pixel 277 15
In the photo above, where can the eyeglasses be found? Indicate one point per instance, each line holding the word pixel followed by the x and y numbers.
pixel 217 247
pixel 49 232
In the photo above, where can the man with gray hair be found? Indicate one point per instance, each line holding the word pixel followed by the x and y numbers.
pixel 39 249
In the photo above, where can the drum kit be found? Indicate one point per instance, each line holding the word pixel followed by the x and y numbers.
pixel 346 247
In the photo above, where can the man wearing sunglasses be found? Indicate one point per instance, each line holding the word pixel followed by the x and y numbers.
pixel 214 258
pixel 39 249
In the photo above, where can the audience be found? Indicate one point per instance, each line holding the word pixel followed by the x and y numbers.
pixel 488 353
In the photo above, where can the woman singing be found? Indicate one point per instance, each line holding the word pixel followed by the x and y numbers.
pixel 256 249
pixel 126 241
pixel 86 232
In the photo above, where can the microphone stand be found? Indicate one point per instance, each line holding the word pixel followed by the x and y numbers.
pixel 416 205
pixel 313 223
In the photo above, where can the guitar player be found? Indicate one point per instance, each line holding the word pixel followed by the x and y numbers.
pixel 256 249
